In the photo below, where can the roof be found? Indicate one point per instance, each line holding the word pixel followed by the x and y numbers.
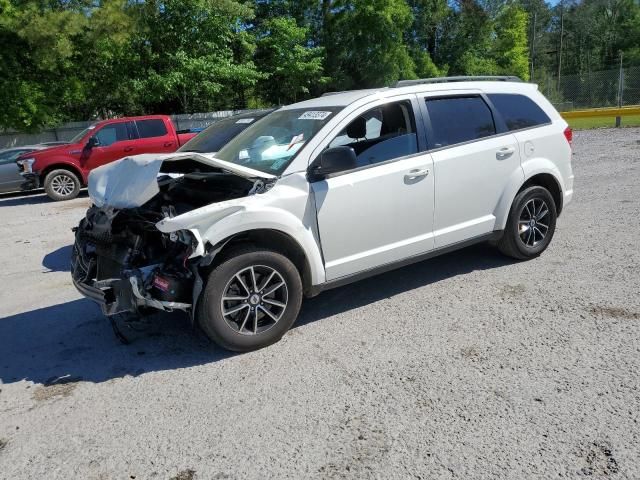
pixel 342 99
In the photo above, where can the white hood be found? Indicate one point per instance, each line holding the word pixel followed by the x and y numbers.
pixel 133 181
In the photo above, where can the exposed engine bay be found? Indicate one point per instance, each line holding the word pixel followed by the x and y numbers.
pixel 125 263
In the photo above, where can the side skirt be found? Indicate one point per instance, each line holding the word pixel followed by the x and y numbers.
pixel 339 282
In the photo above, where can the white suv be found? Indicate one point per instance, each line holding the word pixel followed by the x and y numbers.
pixel 322 193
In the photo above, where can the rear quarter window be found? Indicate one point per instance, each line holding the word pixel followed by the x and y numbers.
pixel 518 111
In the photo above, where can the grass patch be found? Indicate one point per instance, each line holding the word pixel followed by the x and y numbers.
pixel 603 122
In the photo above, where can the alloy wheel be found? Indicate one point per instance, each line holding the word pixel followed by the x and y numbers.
pixel 63 185
pixel 533 223
pixel 254 300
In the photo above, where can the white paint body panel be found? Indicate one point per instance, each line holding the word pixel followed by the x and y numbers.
pixel 470 180
pixel 373 216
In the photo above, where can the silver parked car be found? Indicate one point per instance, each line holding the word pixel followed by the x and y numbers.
pixel 10 178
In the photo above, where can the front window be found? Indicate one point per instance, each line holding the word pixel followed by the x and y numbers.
pixel 116 132
pixel 82 134
pixel 273 142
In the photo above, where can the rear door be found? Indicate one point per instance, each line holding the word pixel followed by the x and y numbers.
pixel 156 136
pixel 115 141
pixel 474 157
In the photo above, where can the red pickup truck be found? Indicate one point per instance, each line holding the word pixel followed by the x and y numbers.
pixel 63 170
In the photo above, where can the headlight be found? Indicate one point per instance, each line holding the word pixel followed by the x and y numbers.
pixel 26 165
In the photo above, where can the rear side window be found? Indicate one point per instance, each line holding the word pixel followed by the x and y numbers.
pixel 518 111
pixel 458 120
pixel 151 128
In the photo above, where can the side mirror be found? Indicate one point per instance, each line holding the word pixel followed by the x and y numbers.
pixel 93 142
pixel 333 160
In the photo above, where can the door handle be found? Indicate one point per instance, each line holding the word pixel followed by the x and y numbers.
pixel 168 144
pixel 417 173
pixel 128 149
pixel 505 153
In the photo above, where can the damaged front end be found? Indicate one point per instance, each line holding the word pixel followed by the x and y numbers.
pixel 121 259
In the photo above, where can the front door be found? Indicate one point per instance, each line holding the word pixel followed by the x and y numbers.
pixel 382 211
pixel 115 141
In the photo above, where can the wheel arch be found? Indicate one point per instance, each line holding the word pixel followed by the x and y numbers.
pixel 548 181
pixel 271 239
pixel 544 175
pixel 62 166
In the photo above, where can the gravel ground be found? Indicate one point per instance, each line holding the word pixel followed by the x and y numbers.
pixel 466 366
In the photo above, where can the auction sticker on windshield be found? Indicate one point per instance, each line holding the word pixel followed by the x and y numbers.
pixel 314 115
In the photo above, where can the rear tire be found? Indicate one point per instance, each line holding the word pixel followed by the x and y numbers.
pixel 243 306
pixel 531 224
pixel 61 185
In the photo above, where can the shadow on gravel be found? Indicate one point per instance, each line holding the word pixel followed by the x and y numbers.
pixel 333 302
pixel 58 260
pixel 74 341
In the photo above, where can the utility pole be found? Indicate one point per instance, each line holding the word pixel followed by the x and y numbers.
pixel 620 90
pixel 533 44
pixel 620 82
pixel 561 38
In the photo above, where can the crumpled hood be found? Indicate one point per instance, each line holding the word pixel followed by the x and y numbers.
pixel 133 181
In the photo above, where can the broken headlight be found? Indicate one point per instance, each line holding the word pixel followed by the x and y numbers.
pixel 26 165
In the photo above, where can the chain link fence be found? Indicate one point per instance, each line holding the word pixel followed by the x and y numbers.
pixel 608 88
pixel 66 132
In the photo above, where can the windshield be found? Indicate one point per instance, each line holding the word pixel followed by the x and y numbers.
pixel 81 135
pixel 271 144
pixel 216 136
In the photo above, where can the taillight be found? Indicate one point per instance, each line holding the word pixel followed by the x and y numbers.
pixel 568 134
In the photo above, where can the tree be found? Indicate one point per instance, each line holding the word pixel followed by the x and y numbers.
pixel 424 36
pixel 509 49
pixel 366 48
pixel 290 67
pixel 195 55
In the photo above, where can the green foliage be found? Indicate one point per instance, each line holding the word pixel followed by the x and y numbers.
pixel 367 44
pixel 77 59
pixel 510 51
pixel 290 67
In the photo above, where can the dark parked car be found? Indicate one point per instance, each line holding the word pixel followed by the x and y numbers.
pixel 10 178
pixel 217 135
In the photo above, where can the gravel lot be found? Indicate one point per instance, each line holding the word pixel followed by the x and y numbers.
pixel 466 366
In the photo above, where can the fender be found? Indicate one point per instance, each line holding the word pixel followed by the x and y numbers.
pixel 530 167
pixel 61 161
pixel 279 209
pixel 271 219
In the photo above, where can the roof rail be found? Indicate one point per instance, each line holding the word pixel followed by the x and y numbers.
pixel 479 78
pixel 328 94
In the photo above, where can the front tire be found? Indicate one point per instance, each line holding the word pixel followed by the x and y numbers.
pixel 61 185
pixel 250 300
pixel 531 224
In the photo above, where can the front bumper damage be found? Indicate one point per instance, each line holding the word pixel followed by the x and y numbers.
pixel 31 181
pixel 126 292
